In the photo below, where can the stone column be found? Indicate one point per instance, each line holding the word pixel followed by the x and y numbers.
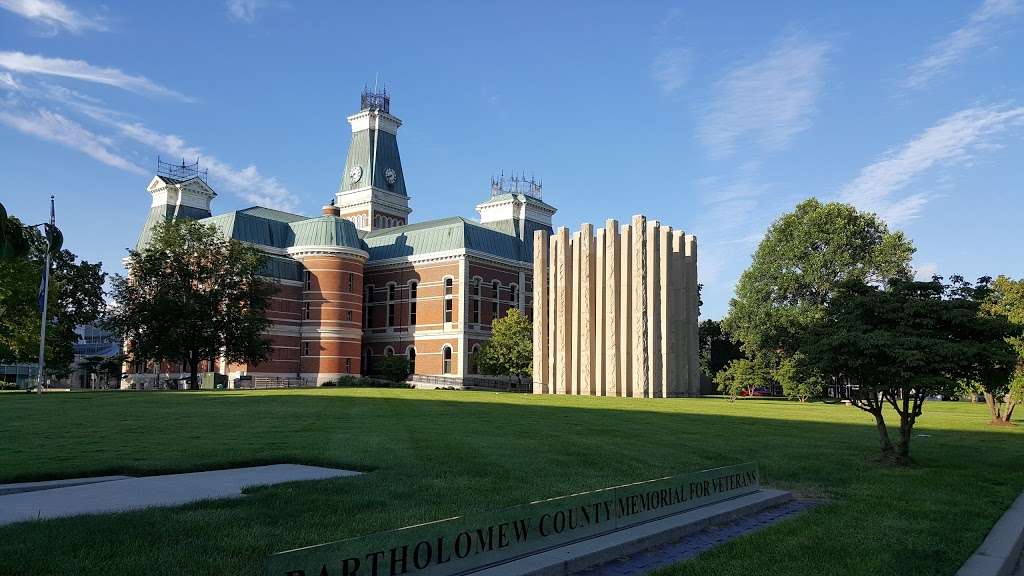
pixel 563 315
pixel 664 287
pixel 574 295
pixel 600 349
pixel 540 311
pixel 625 320
pixel 678 361
pixel 638 280
pixel 586 309
pixel 611 312
pixel 654 372
pixel 553 288
pixel 693 360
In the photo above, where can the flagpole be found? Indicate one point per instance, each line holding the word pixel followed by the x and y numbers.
pixel 45 301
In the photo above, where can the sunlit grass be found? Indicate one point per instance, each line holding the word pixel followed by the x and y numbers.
pixel 435 454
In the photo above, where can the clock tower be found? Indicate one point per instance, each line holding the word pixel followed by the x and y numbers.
pixel 372 193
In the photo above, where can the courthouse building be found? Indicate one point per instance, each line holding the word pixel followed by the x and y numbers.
pixel 361 281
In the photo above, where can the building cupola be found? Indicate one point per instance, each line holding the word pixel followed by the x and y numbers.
pixel 372 193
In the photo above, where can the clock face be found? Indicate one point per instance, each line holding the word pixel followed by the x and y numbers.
pixel 355 173
pixel 390 175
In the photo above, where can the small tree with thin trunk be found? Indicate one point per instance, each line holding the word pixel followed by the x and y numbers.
pixel 191 295
pixel 742 375
pixel 899 345
pixel 1004 298
pixel 509 352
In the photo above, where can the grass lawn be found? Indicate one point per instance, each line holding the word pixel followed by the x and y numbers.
pixel 434 454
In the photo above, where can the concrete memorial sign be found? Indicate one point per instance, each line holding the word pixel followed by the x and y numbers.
pixel 464 544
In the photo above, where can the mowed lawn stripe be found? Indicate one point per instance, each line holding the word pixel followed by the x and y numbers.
pixel 434 454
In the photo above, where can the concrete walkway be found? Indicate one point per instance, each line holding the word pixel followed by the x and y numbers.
pixel 118 494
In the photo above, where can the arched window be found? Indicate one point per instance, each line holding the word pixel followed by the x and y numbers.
pixel 448 282
pixel 391 304
pixel 413 285
pixel 389 351
pixel 446 360
pixel 513 295
pixel 410 354
pixel 495 308
pixel 474 357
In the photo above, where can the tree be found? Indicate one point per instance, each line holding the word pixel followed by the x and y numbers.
pixel 799 265
pixel 510 349
pixel 13 242
pixel 75 298
pixel 742 375
pixel 899 345
pixel 192 295
pixel 1004 298
pixel 393 368
pixel 110 368
pixel 798 380
pixel 716 347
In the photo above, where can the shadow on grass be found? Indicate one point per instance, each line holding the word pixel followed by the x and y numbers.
pixel 438 454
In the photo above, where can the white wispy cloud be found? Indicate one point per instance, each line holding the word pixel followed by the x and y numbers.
pixel 80 70
pixel 978 32
pixel 54 15
pixel 247 183
pixel 954 140
pixel 54 127
pixel 769 101
pixel 244 10
pixel 671 68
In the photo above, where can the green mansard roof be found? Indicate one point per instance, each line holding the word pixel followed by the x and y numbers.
pixel 326 231
pixel 445 235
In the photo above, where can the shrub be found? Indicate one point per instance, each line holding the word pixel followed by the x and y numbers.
pixel 740 375
pixel 798 382
pixel 393 368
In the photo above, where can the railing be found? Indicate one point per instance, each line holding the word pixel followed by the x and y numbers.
pixel 269 382
pixel 475 382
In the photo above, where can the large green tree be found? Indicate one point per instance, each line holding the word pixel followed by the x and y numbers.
pixel 900 344
pixel 1004 297
pixel 191 295
pixel 800 264
pixel 75 297
pixel 509 352
pixel 716 347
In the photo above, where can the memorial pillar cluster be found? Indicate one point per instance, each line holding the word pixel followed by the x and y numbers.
pixel 615 312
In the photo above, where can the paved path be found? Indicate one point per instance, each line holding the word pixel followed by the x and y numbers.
pixel 121 494
pixel 692 545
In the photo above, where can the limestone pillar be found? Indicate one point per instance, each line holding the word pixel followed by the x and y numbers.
pixel 664 286
pixel 638 281
pixel 540 312
pixel 678 361
pixel 599 324
pixel 586 310
pixel 574 295
pixel 653 265
pixel 691 298
pixel 563 314
pixel 553 288
pixel 611 310
pixel 625 321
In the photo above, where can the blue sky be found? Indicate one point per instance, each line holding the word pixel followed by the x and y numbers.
pixel 712 117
